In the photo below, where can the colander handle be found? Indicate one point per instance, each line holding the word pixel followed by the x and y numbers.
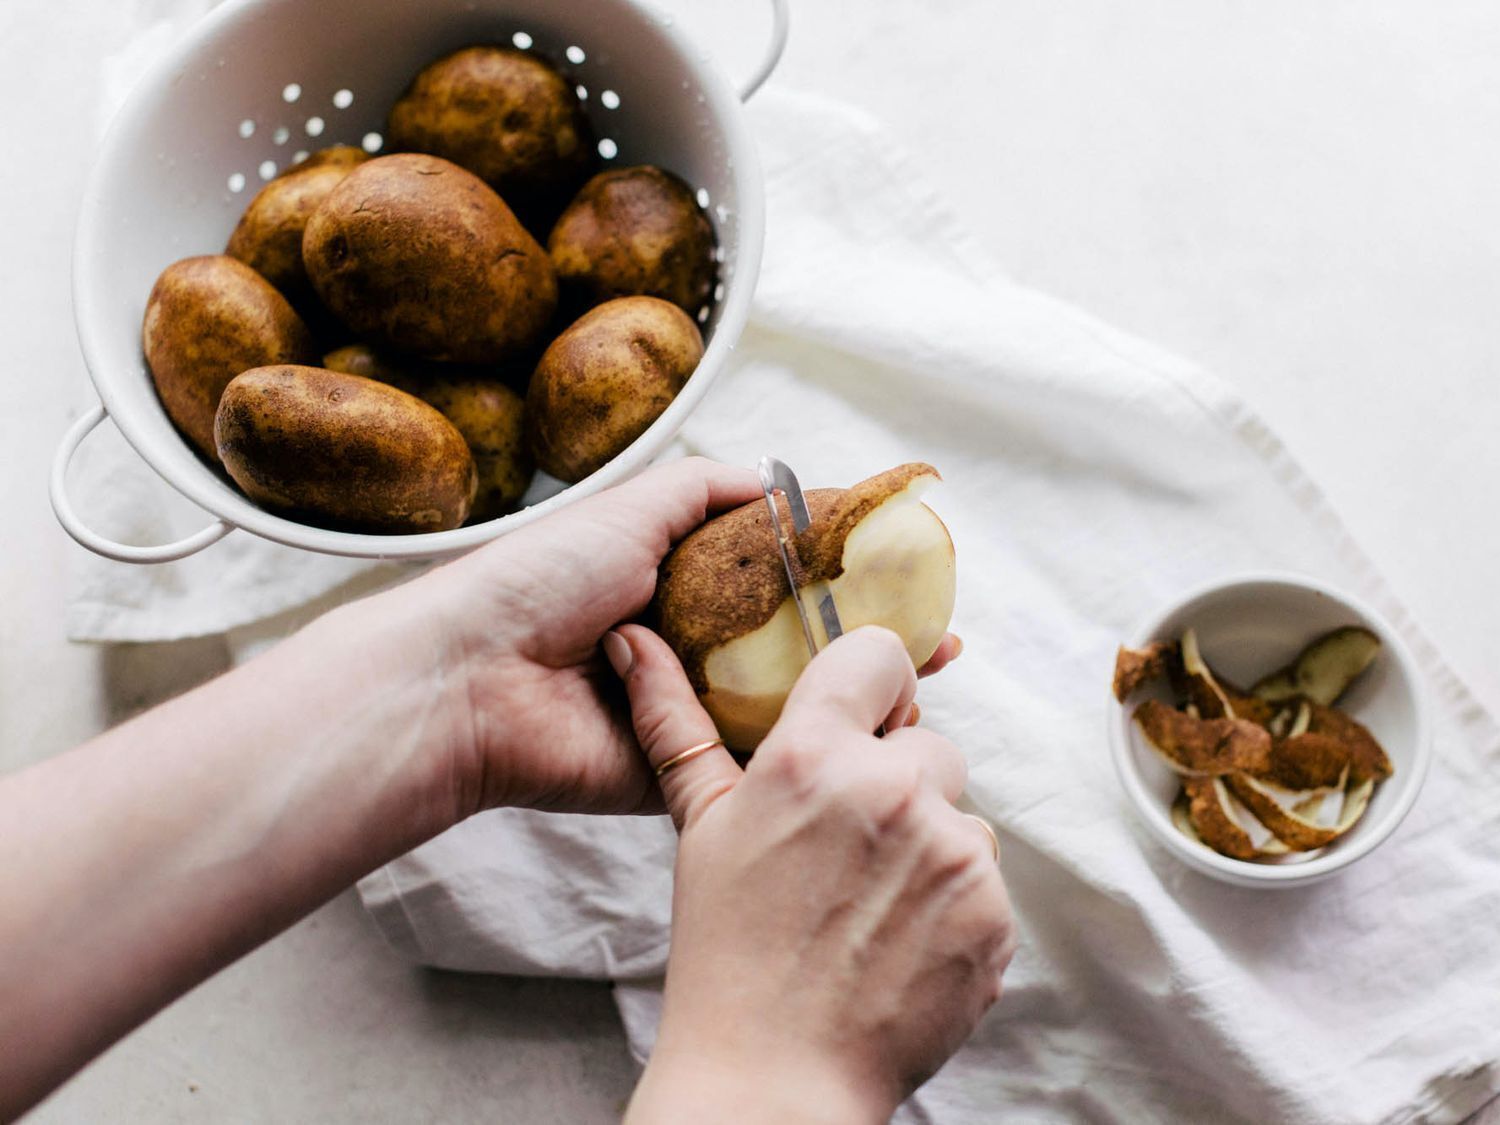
pixel 779 20
pixel 120 552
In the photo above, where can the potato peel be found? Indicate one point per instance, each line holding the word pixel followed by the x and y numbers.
pixel 1225 824
pixel 1137 667
pixel 1203 689
pixel 1367 757
pixel 1203 747
pixel 1323 670
pixel 1277 811
pixel 1307 761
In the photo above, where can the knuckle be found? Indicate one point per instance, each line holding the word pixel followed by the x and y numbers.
pixel 889 793
pixel 943 754
pixel 894 804
pixel 993 987
pixel 790 762
pixel 959 856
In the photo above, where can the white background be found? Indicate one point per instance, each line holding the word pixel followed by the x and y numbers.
pixel 1303 195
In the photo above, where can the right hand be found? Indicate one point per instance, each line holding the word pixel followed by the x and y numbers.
pixel 838 928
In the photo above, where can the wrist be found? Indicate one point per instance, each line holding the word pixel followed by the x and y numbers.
pixel 401 702
pixel 690 1085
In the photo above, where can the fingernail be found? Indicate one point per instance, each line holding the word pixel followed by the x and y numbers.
pixel 914 716
pixel 958 646
pixel 617 652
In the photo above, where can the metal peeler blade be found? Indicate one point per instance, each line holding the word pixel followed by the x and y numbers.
pixel 777 476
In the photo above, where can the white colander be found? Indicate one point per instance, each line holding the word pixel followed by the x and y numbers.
pixel 259 81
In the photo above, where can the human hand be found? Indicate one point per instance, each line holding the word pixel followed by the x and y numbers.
pixel 545 720
pixel 838 927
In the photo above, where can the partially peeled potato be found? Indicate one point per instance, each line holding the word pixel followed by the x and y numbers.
pixel 725 606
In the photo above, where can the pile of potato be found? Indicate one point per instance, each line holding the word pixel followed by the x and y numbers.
pixel 385 345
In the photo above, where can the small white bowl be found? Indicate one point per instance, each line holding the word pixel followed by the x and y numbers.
pixel 1250 625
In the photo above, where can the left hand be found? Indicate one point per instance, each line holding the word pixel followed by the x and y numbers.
pixel 549 727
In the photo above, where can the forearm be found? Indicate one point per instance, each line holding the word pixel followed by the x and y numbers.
pixel 140 863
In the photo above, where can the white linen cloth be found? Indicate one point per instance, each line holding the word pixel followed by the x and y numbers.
pixel 1089 477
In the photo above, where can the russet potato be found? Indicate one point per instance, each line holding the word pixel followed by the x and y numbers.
pixel 207 319
pixel 505 115
pixel 486 410
pixel 419 256
pixel 724 605
pixel 491 418
pixel 601 384
pixel 366 362
pixel 268 237
pixel 342 451
pixel 634 231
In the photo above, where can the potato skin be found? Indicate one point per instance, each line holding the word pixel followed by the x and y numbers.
pixel 207 319
pixel 506 116
pixel 605 380
pixel 268 237
pixel 343 156
pixel 491 418
pixel 340 451
pixel 366 362
pixel 420 256
pixel 634 231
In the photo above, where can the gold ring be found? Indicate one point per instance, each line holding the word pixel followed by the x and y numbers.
pixel 988 831
pixel 688 755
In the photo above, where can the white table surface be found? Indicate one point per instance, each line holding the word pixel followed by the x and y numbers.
pixel 1302 195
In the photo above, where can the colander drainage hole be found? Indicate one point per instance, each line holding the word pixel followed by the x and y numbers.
pixel 314 126
pixel 575 54
pixel 237 182
pixel 703 198
pixel 291 92
pixel 247 128
pixel 343 99
pixel 372 142
pixel 609 99
pixel 267 169
pixel 582 92
pixel 281 135
pixel 521 40
pixel 608 149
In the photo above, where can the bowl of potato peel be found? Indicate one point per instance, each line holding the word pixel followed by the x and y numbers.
pixel 1268 729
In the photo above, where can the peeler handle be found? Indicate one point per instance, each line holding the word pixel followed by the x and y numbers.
pixel 121 552
pixel 780 19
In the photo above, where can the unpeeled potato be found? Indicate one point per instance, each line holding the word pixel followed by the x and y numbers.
pixel 634 231
pixel 601 384
pixel 207 319
pixel 268 237
pixel 366 362
pixel 505 115
pixel 343 451
pixel 491 418
pixel 421 257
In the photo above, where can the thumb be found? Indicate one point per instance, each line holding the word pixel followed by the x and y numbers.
pixel 668 719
